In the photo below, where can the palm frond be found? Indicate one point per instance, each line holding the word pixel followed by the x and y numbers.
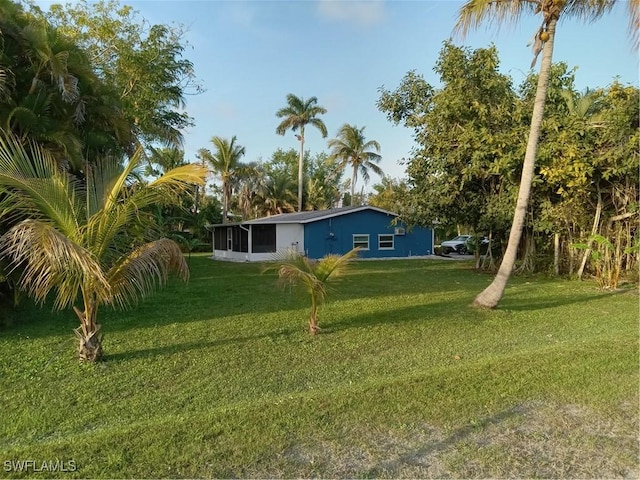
pixel 45 191
pixel 50 261
pixel 494 12
pixel 145 269
pixel 334 265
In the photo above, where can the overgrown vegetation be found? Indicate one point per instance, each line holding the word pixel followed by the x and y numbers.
pixel 219 378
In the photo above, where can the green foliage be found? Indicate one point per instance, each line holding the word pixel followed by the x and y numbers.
pixel 87 240
pixel 51 94
pixel 296 269
pixel 350 149
pixel 467 144
pixel 143 62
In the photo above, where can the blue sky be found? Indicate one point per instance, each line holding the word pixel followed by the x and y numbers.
pixel 250 54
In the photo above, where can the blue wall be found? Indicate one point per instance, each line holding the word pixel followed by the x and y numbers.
pixel 335 235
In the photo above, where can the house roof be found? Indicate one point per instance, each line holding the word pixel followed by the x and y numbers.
pixel 307 217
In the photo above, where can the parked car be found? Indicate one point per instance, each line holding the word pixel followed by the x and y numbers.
pixel 462 244
pixel 458 244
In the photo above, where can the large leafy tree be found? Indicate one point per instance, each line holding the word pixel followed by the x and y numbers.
pixel 142 61
pixel 225 162
pixel 468 138
pixel 89 240
pixel 296 116
pixel 353 150
pixel 50 93
pixel 475 12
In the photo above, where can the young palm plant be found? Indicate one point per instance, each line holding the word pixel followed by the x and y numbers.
pixel 81 241
pixel 313 275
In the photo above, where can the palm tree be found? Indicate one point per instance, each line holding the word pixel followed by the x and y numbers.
pixel 313 275
pixel 475 12
pixel 226 164
pixel 351 149
pixel 83 239
pixel 276 195
pixel 297 114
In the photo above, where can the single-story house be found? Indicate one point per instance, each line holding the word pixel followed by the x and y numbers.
pixel 321 232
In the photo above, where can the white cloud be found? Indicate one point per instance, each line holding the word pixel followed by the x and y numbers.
pixel 363 13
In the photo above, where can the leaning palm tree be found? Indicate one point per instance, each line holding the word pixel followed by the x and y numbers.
pixel 351 149
pixel 86 242
pixel 475 12
pixel 296 269
pixel 297 114
pixel 226 164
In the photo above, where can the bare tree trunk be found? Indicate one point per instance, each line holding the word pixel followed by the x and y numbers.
pixel 594 230
pixel 491 295
pixel 556 254
pixel 300 168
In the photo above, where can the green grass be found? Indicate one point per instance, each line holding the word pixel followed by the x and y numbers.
pixel 218 378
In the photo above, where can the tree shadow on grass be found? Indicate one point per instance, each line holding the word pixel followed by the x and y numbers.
pixel 424 455
pixel 514 304
pixel 172 349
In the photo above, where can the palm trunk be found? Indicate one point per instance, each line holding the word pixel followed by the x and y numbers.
pixel 300 168
pixel 225 201
pixel 354 179
pixel 90 340
pixel 491 295
pixel 313 319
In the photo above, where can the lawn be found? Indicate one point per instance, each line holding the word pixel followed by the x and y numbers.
pixel 219 378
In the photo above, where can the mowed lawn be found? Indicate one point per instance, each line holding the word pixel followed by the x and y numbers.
pixel 219 378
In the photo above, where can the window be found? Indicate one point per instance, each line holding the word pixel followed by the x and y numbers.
pixel 385 242
pixel 264 238
pixel 361 241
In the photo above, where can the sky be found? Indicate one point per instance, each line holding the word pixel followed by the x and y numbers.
pixel 249 55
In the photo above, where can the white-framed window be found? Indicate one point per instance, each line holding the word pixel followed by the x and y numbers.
pixel 361 241
pixel 385 241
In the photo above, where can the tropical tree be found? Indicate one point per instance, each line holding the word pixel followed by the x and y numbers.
pixel 352 149
pixel 313 276
pixel 297 114
pixel 50 93
pixel 475 12
pixel 143 62
pixel 226 165
pixel 86 240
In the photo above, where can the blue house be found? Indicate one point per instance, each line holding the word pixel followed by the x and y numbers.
pixel 321 232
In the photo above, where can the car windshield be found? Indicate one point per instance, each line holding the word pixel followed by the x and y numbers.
pixel 461 237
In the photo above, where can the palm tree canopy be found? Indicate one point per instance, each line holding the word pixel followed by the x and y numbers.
pixel 300 112
pixel 296 269
pixel 352 148
pixel 226 157
pixel 78 235
pixel 496 12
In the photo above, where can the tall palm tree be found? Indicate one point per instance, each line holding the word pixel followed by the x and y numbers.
pixel 350 148
pixel 475 12
pixel 226 164
pixel 86 240
pixel 297 114
pixel 313 275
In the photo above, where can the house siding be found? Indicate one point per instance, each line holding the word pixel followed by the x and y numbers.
pixel 335 235
pixel 290 236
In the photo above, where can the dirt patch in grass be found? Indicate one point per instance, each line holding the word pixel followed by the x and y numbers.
pixel 532 440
